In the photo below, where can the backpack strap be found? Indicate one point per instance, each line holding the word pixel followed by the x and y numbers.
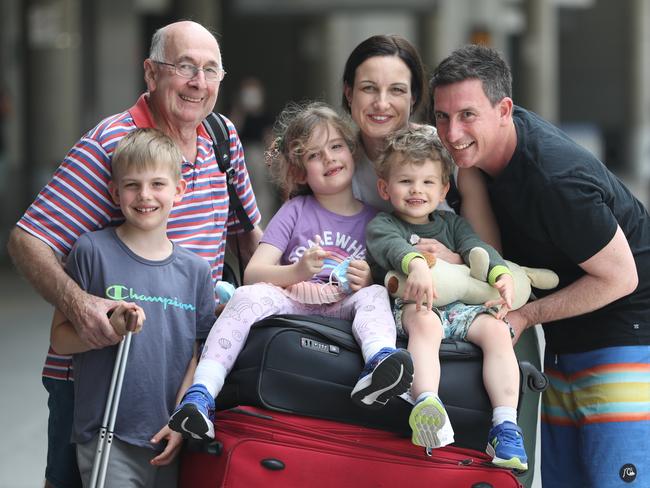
pixel 216 127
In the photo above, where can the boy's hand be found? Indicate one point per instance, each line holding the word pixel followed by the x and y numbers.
pixel 127 317
pixel 419 285
pixel 312 260
pixel 359 275
pixel 506 288
pixel 174 444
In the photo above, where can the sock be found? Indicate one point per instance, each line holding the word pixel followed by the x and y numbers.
pixel 211 374
pixel 371 347
pixel 424 395
pixel 502 414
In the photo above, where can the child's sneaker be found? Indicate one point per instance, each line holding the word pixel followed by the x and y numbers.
pixel 387 374
pixel 427 418
pixel 506 446
pixel 193 416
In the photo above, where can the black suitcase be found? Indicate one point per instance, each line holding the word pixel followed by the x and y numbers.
pixel 308 365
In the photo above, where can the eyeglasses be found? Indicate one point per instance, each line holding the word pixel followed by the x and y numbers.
pixel 187 70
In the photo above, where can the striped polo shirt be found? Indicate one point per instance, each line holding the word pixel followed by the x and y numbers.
pixel 77 200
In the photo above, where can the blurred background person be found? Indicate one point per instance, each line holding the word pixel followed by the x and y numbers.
pixel 253 121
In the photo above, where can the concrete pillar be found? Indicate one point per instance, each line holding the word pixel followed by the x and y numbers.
pixel 445 30
pixel 12 183
pixel 52 71
pixel 206 12
pixel 342 33
pixel 640 94
pixel 119 75
pixel 540 59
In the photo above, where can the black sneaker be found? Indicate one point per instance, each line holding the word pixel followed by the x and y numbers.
pixel 194 416
pixel 387 374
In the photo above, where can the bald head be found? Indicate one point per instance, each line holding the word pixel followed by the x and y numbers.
pixel 182 32
pixel 180 99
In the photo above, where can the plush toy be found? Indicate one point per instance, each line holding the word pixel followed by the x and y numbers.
pixel 468 284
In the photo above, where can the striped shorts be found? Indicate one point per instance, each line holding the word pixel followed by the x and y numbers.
pixel 596 418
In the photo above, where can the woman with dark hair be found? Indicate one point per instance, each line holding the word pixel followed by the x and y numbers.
pixel 384 84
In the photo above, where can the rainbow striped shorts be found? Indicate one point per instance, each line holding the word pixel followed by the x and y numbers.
pixel 596 418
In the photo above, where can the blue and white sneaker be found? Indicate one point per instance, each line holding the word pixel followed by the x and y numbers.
pixel 427 418
pixel 387 374
pixel 506 446
pixel 194 416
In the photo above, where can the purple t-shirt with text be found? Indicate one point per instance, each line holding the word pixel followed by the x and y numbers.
pixel 293 229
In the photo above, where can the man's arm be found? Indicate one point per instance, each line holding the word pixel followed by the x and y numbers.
pixel 610 274
pixel 476 208
pixel 40 265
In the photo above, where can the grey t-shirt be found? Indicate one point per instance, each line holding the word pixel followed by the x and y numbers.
pixel 177 295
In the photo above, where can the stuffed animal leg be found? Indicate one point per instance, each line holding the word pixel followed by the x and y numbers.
pixel 457 282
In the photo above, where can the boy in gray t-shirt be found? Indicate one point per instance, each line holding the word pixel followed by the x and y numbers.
pixel 139 267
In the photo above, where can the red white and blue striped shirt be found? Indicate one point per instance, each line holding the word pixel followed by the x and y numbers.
pixel 77 199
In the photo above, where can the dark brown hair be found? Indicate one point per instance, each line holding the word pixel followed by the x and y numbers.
pixel 387 45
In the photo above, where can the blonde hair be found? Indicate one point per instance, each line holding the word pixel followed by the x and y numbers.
pixel 144 149
pixel 291 133
pixel 415 145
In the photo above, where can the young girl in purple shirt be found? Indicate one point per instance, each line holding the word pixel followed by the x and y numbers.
pixel 309 261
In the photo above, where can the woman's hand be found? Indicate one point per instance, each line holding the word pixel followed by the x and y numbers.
pixel 438 249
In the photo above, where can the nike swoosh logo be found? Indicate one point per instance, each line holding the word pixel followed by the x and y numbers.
pixel 189 431
pixel 378 393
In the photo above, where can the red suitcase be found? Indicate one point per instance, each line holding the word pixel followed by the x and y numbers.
pixel 256 447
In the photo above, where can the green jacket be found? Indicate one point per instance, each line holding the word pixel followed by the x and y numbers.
pixel 389 247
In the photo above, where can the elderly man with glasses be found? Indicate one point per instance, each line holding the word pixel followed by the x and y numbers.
pixel 183 75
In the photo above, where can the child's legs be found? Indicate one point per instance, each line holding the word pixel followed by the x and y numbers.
pixel 500 367
pixel 373 326
pixel 128 466
pixel 227 337
pixel 61 470
pixel 248 305
pixel 425 333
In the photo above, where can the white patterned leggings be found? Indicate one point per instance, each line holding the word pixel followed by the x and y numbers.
pixel 369 309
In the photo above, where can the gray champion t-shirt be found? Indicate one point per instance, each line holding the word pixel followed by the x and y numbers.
pixel 177 295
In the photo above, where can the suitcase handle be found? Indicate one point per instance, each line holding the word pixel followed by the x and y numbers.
pixel 339 331
pixel 272 464
pixel 332 329
pixel 535 379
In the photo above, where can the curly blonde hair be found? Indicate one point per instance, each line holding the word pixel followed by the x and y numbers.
pixel 414 144
pixel 291 133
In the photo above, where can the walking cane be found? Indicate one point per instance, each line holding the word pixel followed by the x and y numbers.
pixel 100 464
